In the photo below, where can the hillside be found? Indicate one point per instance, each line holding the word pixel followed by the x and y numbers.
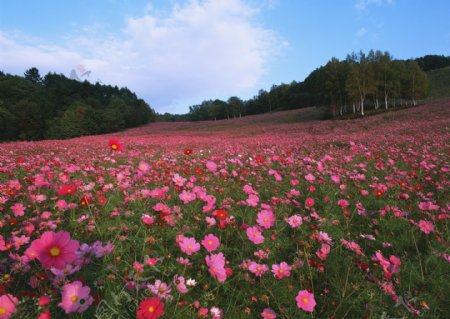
pixel 439 81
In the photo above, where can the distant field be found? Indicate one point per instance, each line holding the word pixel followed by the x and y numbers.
pixel 269 216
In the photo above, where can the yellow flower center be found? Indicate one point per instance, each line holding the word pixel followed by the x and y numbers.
pixel 281 271
pixel 209 242
pixel 265 219
pixel 151 309
pixel 74 298
pixel 305 300
pixel 189 247
pixel 114 146
pixel 2 310
pixel 55 251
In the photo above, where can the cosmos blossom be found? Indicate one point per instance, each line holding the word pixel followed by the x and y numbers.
pixel 7 306
pixel 75 297
pixel 305 301
pixel 54 249
pixel 210 242
pixel 150 308
pixel 255 235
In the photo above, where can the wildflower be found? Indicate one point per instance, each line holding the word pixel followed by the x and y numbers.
pixel 147 219
pixel 282 270
pixel 191 282
pixel 115 145
pixel 187 151
pixel 211 166
pixel 268 314
pixel 309 202
pixel 426 226
pixel 216 265
pixel 7 306
pixel 150 308
pixel 189 246
pixel 67 190
pixel 143 167
pixel 187 197
pixel 75 297
pixel 220 214
pixel 180 284
pixel 18 209
pixel 266 219
pixel 210 242
pixel 216 313
pixel 255 235
pixel 160 289
pixel 295 221
pixel 252 200
pixel 54 249
pixel 178 180
pixel 305 301
pixel 310 178
pixel 258 269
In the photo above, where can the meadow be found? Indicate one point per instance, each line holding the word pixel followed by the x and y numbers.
pixel 271 216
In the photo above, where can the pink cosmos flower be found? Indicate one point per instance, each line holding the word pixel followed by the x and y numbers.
pixel 144 167
pixel 211 166
pixel 210 242
pixel 257 269
pixel 252 200
pixel 216 313
pixel 426 226
pixel 295 221
pixel 178 180
pixel 187 196
pixel 180 284
pixel 266 219
pixel 216 265
pixel 343 203
pixel 323 252
pixel 268 314
pixel 310 178
pixel 189 246
pixel 309 202
pixel 282 270
pixel 75 297
pixel 147 219
pixel 255 235
pixel 7 306
pixel 18 209
pixel 54 249
pixel 160 289
pixel 305 301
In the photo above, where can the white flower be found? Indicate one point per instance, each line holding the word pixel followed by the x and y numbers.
pixel 191 282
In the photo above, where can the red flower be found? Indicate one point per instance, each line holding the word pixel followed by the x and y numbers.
pixel 188 151
pixel 150 308
pixel 85 200
pixel 67 189
pixel 115 145
pixel 220 214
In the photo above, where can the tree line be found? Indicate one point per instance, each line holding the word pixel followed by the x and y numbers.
pixel 55 107
pixel 358 83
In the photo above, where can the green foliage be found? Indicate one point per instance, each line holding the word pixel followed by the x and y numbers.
pixel 439 82
pixel 32 107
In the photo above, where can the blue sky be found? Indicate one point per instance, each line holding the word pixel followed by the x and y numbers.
pixel 176 53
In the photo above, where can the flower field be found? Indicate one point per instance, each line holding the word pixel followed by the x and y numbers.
pixel 259 217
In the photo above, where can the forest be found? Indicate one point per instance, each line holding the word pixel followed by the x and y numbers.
pixel 358 83
pixel 55 107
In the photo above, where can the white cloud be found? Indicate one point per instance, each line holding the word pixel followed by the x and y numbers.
pixel 363 5
pixel 199 50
